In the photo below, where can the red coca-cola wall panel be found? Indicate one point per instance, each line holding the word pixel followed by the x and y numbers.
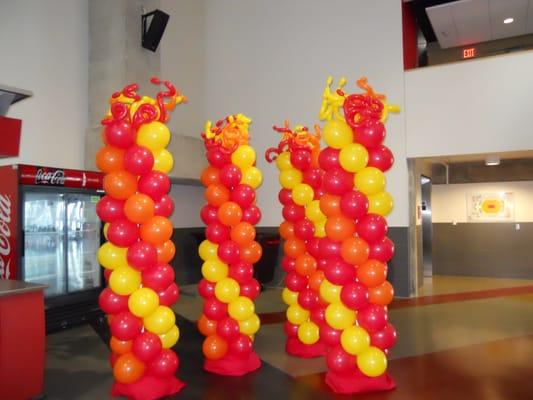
pixel 9 137
pixel 8 222
pixel 47 176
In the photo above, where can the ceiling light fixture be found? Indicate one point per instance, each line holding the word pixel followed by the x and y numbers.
pixel 508 20
pixel 492 160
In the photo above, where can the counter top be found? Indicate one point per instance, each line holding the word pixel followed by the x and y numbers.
pixel 8 288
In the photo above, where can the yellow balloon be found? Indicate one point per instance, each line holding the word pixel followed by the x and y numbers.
pixel 338 316
pixel 372 362
pixel 124 280
pixel 355 340
pixel 296 314
pixel 381 203
pixel 313 211
pixel 143 302
pixel 241 308
pixel 353 157
pixel 329 292
pixel 250 326
pixel 106 228
pixel 160 321
pixel 337 134
pixel 163 161
pixel 320 228
pixel 227 290
pixel 244 156
pixel 154 135
pixel 370 180
pixel 208 250
pixel 110 256
pixel 252 176
pixel 308 332
pixel 289 178
pixel 289 297
pixel 170 338
pixel 302 194
pixel 214 270
pixel 283 161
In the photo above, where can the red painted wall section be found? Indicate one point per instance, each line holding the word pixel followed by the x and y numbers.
pixel 9 137
pixel 410 52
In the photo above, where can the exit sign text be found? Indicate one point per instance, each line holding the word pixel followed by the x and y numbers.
pixel 469 53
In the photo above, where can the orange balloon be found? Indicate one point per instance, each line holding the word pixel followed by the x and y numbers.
pixel 109 159
pixel 242 233
pixel 165 251
pixel 252 252
pixel 120 184
pixel 381 295
pixel 210 176
pixel 330 205
pixel 355 251
pixel 214 347
pixel 110 318
pixel 156 230
pixel 207 326
pixel 305 264
pixel 128 369
pixel 372 273
pixel 120 346
pixel 286 230
pixel 216 195
pixel 339 228
pixel 315 279
pixel 315 153
pixel 294 247
pixel 230 213
pixel 139 208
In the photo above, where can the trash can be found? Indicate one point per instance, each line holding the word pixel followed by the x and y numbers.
pixel 265 267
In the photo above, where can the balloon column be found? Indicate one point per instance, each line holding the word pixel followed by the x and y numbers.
pixel 229 252
pixel 304 224
pixel 356 249
pixel 135 210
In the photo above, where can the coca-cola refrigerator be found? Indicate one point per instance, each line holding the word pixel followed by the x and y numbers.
pixel 50 233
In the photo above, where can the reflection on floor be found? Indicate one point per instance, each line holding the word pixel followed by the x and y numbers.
pixel 476 347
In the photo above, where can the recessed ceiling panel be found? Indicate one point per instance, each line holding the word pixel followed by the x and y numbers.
pixel 501 10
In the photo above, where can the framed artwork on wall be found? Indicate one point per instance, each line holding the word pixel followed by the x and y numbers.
pixel 490 207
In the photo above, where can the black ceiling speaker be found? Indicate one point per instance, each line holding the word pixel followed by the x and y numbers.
pixel 153 27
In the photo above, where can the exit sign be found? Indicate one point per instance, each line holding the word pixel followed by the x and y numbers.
pixel 469 53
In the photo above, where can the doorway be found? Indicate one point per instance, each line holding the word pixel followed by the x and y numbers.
pixel 427 226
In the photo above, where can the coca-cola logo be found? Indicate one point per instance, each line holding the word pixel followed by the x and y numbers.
pixel 5 236
pixel 55 177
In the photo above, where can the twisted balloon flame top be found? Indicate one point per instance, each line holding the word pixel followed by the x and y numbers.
pixel 228 133
pixel 128 105
pixel 300 138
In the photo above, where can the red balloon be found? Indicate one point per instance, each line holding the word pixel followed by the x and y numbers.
pixel 313 177
pixel 206 289
pixel 159 277
pixel 382 250
pixel 120 134
pixel 241 347
pixel 241 271
pixel 251 215
pixel 214 309
pixel 329 248
pixel 285 196
pixel 243 195
pixel 155 184
pixel 329 158
pixel 355 296
pixel 142 255
pixel 288 264
pixel 313 247
pixel 147 346
pixel 125 326
pixel 318 314
pixel 293 212
pixel 301 159
pixel 217 233
pixel 229 252
pixel 304 229
pixel 107 274
pixel 291 330
pixel 308 299
pixel 340 362
pixel 370 133
pixel 373 318
pixel 230 176
pixel 123 233
pixel 170 295
pixel 339 272
pixel 372 228
pixel 164 365
pixel 209 214
pixel 251 289
pixel 354 204
pixel 218 158
pixel 228 328
pixel 112 303
pixel 380 157
pixel 331 337
pixel 295 282
pixel 385 338
pixel 138 160
pixel 110 209
pixel 337 181
pixel 164 207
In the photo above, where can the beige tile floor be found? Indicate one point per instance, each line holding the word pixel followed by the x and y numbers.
pixel 458 284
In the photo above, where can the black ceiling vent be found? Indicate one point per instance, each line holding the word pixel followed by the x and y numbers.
pixel 153 27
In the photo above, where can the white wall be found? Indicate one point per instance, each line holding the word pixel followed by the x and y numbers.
pixel 270 60
pixel 188 201
pixel 449 201
pixel 470 107
pixel 45 49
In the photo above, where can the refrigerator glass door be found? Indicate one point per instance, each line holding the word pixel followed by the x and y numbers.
pixel 83 233
pixel 43 259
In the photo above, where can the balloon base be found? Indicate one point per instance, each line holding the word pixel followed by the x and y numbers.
pixel 295 348
pixel 358 383
pixel 232 365
pixel 148 388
